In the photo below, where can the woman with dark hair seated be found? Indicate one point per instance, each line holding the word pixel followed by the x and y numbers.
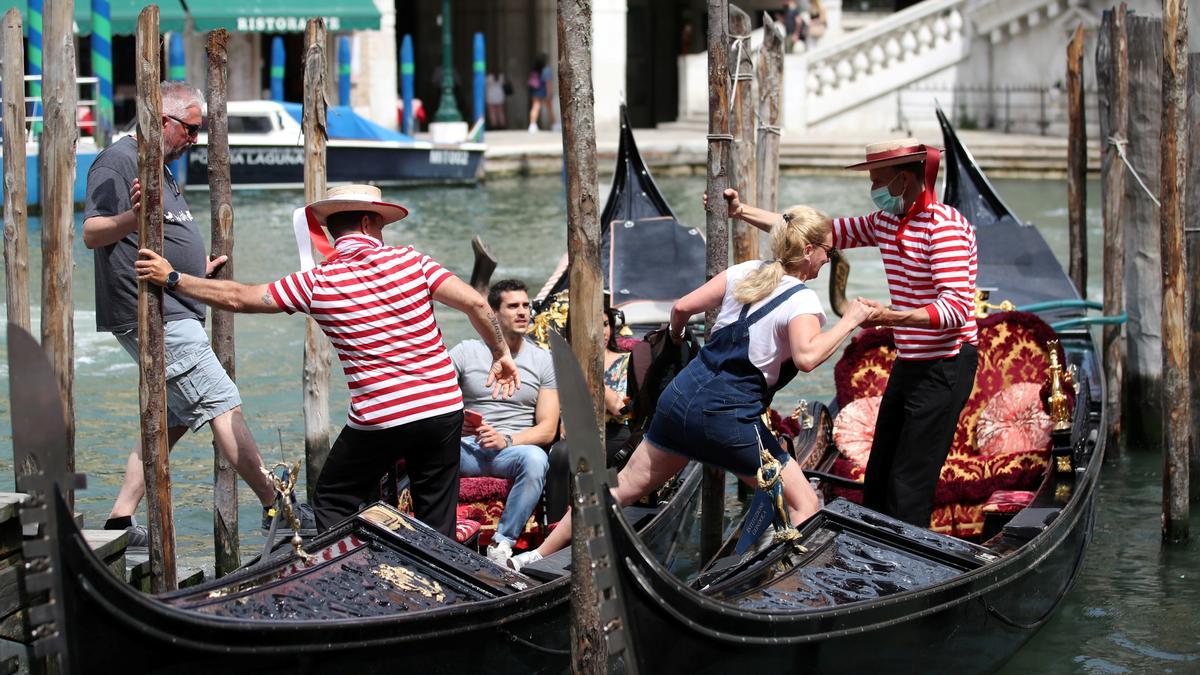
pixel 616 386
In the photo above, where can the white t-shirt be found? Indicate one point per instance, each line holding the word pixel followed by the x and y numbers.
pixel 770 345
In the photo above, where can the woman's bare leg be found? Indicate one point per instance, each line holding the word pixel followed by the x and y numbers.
pixel 535 109
pixel 647 470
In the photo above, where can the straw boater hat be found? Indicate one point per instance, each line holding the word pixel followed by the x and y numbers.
pixel 891 153
pixel 356 198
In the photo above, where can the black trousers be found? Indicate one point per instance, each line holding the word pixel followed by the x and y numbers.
pixel 349 481
pixel 917 420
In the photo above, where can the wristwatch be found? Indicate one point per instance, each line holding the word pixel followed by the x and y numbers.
pixel 173 279
pixel 507 440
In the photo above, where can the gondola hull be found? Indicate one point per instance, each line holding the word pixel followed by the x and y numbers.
pixel 337 615
pixel 972 625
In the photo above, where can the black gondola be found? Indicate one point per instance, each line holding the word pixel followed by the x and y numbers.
pixel 639 238
pixel 860 592
pixel 383 592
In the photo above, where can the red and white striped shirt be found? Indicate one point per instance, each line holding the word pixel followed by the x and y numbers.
pixel 930 262
pixel 375 303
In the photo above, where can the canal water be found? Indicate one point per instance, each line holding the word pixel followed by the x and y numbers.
pixel 1132 610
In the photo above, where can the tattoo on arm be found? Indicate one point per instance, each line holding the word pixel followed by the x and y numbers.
pixel 266 299
pixel 496 333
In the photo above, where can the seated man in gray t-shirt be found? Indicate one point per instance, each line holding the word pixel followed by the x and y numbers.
pixel 509 442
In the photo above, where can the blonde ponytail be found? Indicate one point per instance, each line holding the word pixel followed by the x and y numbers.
pixel 800 226
pixel 759 283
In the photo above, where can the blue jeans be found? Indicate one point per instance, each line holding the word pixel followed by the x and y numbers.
pixel 525 465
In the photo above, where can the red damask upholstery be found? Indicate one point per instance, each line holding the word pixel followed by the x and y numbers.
pixel 482 499
pixel 1012 349
pixel 480 504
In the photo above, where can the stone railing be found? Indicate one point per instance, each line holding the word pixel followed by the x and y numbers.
pixel 853 80
pixel 907 46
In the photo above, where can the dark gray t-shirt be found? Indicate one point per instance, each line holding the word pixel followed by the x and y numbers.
pixel 116 283
pixel 472 359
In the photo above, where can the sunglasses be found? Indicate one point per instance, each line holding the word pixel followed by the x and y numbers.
pixel 191 129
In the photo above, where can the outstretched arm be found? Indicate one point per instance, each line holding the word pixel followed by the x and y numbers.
pixel 457 294
pixel 811 347
pixel 700 300
pixel 760 218
pixel 230 295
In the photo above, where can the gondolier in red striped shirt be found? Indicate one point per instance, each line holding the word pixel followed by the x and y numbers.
pixel 375 304
pixel 929 258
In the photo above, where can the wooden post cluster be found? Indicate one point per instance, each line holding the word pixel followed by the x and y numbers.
pixel 768 75
pixel 589 653
pixel 16 223
pixel 225 501
pixel 745 236
pixel 712 497
pixel 56 167
pixel 1172 191
pixel 1077 164
pixel 317 355
pixel 152 390
pixel 1112 75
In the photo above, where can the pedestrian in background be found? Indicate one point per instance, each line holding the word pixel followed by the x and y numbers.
pixel 496 90
pixel 540 90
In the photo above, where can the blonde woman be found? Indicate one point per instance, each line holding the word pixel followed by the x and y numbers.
pixel 768 329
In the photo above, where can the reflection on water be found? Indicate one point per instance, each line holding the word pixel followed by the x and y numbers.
pixel 1132 610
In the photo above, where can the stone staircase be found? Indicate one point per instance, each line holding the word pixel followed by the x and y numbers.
pixel 854 81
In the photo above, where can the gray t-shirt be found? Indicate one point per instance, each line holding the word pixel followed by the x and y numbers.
pixel 116 283
pixel 472 359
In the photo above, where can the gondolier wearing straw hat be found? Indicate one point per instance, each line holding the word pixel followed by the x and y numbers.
pixel 929 258
pixel 375 303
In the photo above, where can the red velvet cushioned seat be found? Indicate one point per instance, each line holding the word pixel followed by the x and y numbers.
pixel 480 504
pixel 1012 350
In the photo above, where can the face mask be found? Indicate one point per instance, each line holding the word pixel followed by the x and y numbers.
pixel 886 201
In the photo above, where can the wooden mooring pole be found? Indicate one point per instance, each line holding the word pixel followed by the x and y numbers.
pixel 225 501
pixel 1112 75
pixel 589 651
pixel 1173 187
pixel 1142 416
pixel 317 356
pixel 56 167
pixel 1076 164
pixel 1191 239
pixel 745 236
pixel 152 390
pixel 16 222
pixel 768 75
pixel 712 490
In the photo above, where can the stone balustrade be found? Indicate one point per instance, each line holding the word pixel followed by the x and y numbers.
pixel 905 47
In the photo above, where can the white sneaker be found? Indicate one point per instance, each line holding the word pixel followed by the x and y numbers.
pixel 522 559
pixel 533 128
pixel 500 552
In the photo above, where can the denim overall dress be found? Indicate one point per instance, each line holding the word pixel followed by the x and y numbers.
pixel 711 410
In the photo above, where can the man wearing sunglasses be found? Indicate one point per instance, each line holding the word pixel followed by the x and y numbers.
pixel 199 391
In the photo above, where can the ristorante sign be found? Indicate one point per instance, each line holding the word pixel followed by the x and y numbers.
pixel 282 24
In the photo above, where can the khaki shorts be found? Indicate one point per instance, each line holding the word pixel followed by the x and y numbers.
pixel 198 388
